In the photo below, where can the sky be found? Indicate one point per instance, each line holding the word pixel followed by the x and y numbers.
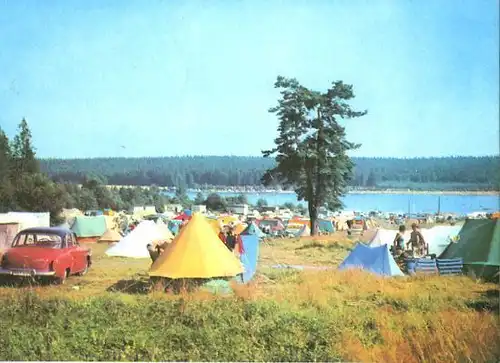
pixel 165 78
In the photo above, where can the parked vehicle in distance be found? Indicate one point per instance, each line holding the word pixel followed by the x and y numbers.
pixel 46 252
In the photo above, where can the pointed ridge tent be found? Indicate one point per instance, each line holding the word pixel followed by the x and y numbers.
pixel 439 237
pixel 250 256
pixel 110 236
pixel 304 231
pixel 89 229
pixel 252 229
pixel 374 259
pixel 478 244
pixel 134 244
pixel 166 233
pixel 215 224
pixel 196 253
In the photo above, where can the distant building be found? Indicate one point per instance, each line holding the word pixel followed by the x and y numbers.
pixel 199 208
pixel 239 209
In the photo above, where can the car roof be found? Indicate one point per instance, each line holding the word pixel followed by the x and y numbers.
pixel 52 230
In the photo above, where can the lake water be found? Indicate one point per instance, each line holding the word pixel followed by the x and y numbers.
pixel 419 203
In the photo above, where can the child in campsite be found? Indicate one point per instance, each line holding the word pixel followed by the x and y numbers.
pixel 399 241
pixel 417 241
pixel 230 239
pixel 222 235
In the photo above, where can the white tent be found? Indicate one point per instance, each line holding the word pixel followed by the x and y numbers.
pixel 439 237
pixel 386 237
pixel 436 237
pixel 134 244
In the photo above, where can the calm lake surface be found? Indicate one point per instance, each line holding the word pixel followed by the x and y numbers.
pixel 418 203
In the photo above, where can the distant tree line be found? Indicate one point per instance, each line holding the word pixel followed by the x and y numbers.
pixel 24 187
pixel 482 173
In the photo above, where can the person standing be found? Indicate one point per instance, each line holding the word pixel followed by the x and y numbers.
pixel 222 235
pixel 417 241
pixel 153 252
pixel 399 241
pixel 230 239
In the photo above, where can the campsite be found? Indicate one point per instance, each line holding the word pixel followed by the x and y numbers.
pixel 240 181
pixel 297 305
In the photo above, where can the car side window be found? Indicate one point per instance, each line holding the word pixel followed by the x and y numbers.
pixel 29 239
pixel 69 240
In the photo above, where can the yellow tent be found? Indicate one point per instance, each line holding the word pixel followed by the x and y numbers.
pixel 215 224
pixel 110 236
pixel 196 252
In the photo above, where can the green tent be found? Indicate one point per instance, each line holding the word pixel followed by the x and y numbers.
pixel 89 226
pixel 479 245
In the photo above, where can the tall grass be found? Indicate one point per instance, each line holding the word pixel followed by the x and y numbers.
pixel 282 315
pixel 304 317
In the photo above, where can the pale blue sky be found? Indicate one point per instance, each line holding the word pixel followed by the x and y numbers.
pixel 196 77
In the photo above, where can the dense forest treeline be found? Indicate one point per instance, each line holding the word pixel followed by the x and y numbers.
pixel 481 173
pixel 23 187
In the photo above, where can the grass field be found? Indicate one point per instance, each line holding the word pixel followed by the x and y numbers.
pixel 111 314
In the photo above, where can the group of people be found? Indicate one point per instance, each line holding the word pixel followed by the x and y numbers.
pixel 416 244
pixel 232 240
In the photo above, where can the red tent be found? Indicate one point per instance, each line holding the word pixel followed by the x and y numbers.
pixel 182 216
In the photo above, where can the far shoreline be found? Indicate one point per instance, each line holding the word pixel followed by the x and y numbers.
pixel 354 192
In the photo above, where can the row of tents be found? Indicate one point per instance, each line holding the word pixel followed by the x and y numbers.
pixel 194 252
pixel 476 244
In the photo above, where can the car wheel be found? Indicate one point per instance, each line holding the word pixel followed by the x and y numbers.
pixel 62 280
pixel 84 272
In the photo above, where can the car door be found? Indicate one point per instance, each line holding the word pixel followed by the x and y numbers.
pixel 81 252
pixel 71 247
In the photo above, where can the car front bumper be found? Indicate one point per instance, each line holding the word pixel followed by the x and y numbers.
pixel 26 272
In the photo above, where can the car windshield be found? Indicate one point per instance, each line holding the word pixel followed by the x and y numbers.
pixel 48 240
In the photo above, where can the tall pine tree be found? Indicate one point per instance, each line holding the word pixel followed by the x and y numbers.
pixel 23 152
pixel 311 149
pixel 5 156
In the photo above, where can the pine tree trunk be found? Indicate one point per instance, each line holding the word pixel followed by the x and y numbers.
pixel 313 216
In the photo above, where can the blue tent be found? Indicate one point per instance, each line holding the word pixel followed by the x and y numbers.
pixel 253 230
pixel 188 212
pixel 374 259
pixel 250 256
pixel 326 226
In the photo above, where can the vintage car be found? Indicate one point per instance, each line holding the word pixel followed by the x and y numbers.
pixel 45 252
